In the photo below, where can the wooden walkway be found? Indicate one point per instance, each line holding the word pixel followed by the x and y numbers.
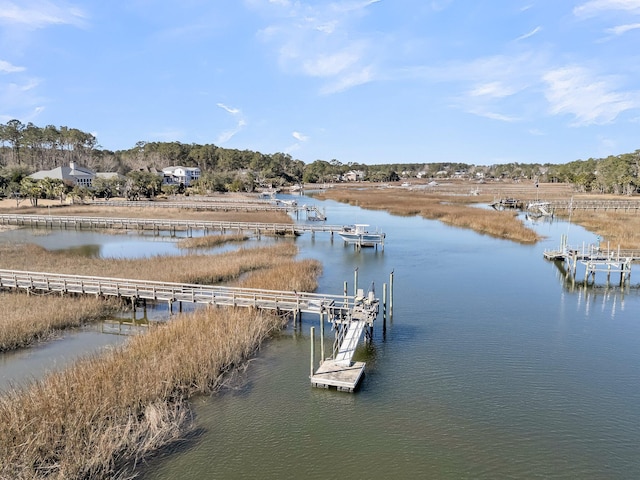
pixel 158 224
pixel 350 315
pixel 337 307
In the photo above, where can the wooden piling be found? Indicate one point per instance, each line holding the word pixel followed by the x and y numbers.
pixel 312 351
pixel 322 336
pixel 355 281
pixel 384 304
pixel 391 295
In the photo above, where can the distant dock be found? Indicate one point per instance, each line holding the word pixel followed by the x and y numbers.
pixel 595 259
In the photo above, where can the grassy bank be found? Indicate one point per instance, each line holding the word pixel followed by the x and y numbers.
pixel 209 241
pixel 618 228
pixel 29 319
pixel 446 208
pixel 95 419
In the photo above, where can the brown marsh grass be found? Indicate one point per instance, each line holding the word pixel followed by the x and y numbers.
pixel 300 275
pixel 191 268
pixel 618 228
pixel 29 319
pixel 448 209
pixel 209 241
pixel 103 414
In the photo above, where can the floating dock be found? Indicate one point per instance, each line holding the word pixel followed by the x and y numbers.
pixel 335 374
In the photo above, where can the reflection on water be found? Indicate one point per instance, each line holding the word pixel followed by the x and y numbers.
pixel 491 368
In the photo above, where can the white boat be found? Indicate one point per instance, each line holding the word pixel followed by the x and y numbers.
pixel 359 235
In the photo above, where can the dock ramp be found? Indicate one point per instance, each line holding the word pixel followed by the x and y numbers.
pixel 350 342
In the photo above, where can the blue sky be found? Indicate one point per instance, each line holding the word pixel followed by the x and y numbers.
pixel 366 81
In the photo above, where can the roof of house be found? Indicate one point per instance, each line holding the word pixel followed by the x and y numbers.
pixel 64 173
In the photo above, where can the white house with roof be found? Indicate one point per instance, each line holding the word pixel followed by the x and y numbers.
pixel 354 176
pixel 180 175
pixel 73 174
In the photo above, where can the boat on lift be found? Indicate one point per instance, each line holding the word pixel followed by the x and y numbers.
pixel 358 234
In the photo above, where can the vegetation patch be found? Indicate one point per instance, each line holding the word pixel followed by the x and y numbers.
pixel 209 241
pixel 438 207
pixel 27 319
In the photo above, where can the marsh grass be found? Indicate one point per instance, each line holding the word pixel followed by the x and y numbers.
pixel 450 210
pixel 300 275
pixel 99 417
pixel 190 268
pixel 29 319
pixel 209 241
pixel 618 228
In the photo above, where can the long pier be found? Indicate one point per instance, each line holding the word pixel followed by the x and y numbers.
pixel 340 308
pixel 158 224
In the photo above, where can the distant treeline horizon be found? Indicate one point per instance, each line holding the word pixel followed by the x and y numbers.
pixel 31 148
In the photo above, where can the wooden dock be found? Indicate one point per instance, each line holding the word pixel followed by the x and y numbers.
pixel 158 224
pixel 345 378
pixel 336 307
pixel 595 259
pixel 339 370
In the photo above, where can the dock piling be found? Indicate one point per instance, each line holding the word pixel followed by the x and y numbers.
pixel 312 334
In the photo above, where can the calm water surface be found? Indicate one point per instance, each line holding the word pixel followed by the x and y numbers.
pixel 491 368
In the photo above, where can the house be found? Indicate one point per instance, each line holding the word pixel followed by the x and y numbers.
pixel 73 174
pixel 180 175
pixel 354 176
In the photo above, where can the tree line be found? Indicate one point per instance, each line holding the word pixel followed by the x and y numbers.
pixel 25 149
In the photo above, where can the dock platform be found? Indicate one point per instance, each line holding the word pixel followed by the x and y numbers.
pixel 336 374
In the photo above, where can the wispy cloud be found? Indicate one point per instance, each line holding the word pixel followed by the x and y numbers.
pixel 300 137
pixel 497 87
pixel 622 29
pixel 529 34
pixel 595 7
pixel 40 13
pixel 6 67
pixel 18 99
pixel 590 99
pixel 230 133
pixel 319 41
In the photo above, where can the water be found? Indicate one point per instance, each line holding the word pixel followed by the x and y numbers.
pixel 491 368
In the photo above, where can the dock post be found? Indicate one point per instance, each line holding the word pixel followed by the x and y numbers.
pixel 312 352
pixel 384 304
pixel 391 295
pixel 322 337
pixel 355 281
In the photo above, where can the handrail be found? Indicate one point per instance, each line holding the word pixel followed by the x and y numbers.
pixel 171 291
